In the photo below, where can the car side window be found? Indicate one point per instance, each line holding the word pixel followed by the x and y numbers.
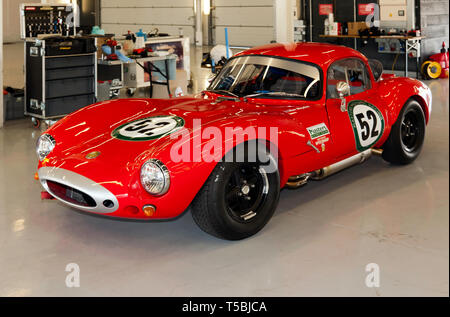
pixel 351 70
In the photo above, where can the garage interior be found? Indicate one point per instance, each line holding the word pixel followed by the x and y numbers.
pixel 321 237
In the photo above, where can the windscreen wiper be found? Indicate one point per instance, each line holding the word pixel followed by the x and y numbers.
pixel 273 93
pixel 223 91
pixel 223 98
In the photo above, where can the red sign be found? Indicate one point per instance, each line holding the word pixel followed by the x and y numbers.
pixel 325 9
pixel 365 8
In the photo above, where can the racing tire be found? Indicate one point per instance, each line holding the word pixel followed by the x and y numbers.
pixel 237 200
pixel 405 141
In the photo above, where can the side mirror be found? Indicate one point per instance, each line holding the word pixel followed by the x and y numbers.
pixel 343 90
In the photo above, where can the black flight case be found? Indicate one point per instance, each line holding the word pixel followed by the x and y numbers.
pixel 60 76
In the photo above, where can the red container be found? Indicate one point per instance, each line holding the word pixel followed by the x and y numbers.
pixel 443 59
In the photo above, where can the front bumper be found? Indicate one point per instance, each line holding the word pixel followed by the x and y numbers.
pixel 77 191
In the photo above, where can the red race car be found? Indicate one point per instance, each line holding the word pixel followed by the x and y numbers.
pixel 275 116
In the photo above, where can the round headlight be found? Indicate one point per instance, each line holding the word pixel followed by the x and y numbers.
pixel 155 177
pixel 45 144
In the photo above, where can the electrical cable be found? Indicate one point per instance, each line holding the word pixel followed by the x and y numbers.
pixel 395 61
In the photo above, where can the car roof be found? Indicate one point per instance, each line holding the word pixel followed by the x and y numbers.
pixel 322 54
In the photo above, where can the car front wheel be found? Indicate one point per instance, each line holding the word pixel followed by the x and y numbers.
pixel 237 200
pixel 407 135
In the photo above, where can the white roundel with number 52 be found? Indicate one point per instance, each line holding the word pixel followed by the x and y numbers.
pixel 367 122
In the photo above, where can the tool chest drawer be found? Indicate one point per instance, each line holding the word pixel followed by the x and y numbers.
pixel 72 72
pixel 69 87
pixel 69 61
pixel 56 107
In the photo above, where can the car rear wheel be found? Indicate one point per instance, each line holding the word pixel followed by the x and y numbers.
pixel 407 135
pixel 237 200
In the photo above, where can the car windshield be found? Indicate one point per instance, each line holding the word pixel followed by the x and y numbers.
pixel 267 77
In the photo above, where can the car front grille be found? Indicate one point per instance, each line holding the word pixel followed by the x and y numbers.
pixel 70 194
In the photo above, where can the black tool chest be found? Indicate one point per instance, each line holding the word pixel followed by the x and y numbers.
pixel 59 81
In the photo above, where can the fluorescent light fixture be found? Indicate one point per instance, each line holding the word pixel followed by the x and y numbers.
pixel 206 7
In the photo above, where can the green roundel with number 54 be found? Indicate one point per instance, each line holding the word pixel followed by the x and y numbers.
pixel 367 122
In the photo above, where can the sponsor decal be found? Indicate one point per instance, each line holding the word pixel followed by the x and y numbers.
pixel 321 142
pixel 149 128
pixel 318 130
pixel 367 122
pixel 319 135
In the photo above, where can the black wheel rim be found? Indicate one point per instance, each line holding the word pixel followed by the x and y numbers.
pixel 246 192
pixel 410 131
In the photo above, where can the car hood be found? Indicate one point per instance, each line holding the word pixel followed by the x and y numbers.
pixel 92 129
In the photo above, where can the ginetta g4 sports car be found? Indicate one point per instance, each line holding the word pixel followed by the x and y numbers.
pixel 296 112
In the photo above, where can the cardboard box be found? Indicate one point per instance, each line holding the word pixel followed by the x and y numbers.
pixel 101 40
pixel 354 27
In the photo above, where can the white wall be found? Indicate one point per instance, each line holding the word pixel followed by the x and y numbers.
pixel 168 16
pixel 249 22
pixel 11 19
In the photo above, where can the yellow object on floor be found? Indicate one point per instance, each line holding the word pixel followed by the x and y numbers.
pixel 431 69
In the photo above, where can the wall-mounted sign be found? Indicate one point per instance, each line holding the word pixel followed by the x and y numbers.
pixel 325 9
pixel 365 8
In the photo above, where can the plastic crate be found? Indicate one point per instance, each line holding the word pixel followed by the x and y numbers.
pixel 13 102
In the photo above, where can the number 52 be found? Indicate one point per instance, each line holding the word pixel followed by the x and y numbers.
pixel 369 130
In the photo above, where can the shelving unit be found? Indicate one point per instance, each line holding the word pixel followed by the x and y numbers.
pixel 412 44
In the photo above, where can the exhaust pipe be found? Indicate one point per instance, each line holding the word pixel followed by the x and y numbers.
pixel 378 152
pixel 295 182
pixel 341 165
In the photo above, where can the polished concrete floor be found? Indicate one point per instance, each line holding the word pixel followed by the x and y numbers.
pixel 318 243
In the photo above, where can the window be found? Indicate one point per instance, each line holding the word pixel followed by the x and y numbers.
pixel 377 68
pixel 351 70
pixel 266 76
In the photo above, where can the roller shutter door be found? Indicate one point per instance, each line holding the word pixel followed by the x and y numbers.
pixel 168 16
pixel 249 23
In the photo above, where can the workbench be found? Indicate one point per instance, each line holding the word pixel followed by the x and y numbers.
pixel 149 71
pixel 412 43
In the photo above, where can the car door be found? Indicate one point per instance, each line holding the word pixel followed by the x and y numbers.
pixel 294 77
pixel 357 124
